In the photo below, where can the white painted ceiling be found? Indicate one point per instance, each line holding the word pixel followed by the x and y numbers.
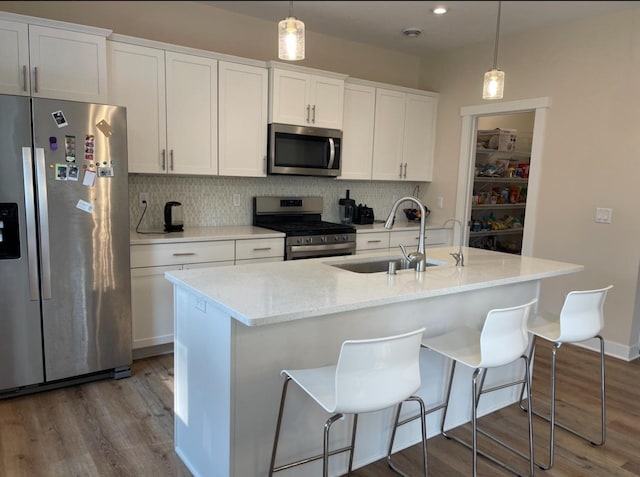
pixel 381 23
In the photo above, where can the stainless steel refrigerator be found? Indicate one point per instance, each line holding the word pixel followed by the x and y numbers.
pixel 65 295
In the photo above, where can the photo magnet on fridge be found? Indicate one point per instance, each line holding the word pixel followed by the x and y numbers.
pixel 61 172
pixel 58 117
pixel 72 172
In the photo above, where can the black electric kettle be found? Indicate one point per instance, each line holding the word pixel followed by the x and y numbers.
pixel 173 221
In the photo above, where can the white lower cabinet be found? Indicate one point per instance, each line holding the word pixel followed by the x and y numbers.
pixel 259 250
pixel 392 239
pixel 372 241
pixel 152 293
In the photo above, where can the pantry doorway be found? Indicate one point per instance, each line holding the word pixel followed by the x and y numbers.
pixel 492 116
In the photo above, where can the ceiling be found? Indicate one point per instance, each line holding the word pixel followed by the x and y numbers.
pixel 381 23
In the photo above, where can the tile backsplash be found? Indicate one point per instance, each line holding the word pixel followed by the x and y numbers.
pixel 208 201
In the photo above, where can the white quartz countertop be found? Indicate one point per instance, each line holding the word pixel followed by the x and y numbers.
pixel 276 292
pixel 200 234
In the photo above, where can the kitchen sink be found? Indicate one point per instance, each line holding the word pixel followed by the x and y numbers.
pixel 379 265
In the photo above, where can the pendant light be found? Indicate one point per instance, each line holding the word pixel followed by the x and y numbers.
pixel 494 79
pixel 291 37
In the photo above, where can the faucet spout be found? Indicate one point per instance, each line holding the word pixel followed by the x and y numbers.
pixel 420 256
pixel 457 255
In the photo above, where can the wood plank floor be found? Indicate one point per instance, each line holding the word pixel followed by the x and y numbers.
pixel 125 428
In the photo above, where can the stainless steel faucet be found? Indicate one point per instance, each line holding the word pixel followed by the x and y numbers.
pixel 458 256
pixel 419 257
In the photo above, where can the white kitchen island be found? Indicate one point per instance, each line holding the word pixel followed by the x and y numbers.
pixel 237 327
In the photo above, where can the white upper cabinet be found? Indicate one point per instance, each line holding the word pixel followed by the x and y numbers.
pixel 357 131
pixel 403 145
pixel 47 62
pixel 388 162
pixel 192 114
pixel 306 99
pixel 136 80
pixel 172 124
pixel 14 58
pixel 242 116
pixel 419 137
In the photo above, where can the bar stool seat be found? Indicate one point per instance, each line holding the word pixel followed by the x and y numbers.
pixel 502 340
pixel 370 375
pixel 581 319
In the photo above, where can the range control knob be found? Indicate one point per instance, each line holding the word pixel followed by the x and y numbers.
pixel 298 241
pixel 336 238
pixel 323 239
pixel 309 240
pixel 345 238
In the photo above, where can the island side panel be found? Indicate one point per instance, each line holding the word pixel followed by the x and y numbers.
pixel 260 353
pixel 202 385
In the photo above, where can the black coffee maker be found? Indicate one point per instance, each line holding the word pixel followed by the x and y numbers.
pixel 173 221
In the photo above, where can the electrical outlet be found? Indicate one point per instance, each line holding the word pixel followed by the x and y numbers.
pixel 143 199
pixel 439 202
pixel 236 200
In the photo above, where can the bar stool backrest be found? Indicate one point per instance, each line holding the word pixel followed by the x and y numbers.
pixel 504 337
pixel 582 315
pixel 377 373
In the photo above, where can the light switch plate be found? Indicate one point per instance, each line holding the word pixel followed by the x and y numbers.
pixel 603 216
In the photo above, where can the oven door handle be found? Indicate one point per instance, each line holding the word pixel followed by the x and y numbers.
pixel 319 248
pixel 332 153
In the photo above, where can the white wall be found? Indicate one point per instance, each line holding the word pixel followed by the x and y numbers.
pixel 590 71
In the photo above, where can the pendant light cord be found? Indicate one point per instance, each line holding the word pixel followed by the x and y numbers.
pixel 290 8
pixel 495 52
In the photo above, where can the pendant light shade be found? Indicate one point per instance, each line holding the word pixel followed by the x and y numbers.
pixel 493 87
pixel 493 84
pixel 291 37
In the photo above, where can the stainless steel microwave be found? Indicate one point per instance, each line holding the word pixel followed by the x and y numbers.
pixel 306 151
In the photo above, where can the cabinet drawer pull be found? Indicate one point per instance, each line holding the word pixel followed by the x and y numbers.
pixel 262 249
pixel 374 241
pixel 183 254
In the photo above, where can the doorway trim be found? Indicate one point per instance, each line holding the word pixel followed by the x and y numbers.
pixel 470 115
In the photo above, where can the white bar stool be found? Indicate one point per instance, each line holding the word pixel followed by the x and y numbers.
pixel 370 375
pixel 581 319
pixel 502 340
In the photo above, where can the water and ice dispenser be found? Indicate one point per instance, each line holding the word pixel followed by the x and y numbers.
pixel 9 234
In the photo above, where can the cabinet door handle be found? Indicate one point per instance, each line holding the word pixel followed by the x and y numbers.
pixel 24 77
pixel 164 159
pixel 400 175
pixel 35 78
pixel 405 170
pixel 262 249
pixel 171 156
pixel 183 254
pixel 308 109
pixel 313 118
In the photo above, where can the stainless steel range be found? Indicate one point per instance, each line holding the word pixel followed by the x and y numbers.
pixel 307 236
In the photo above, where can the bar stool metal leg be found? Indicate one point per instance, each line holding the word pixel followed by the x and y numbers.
pixel 423 425
pixel 551 419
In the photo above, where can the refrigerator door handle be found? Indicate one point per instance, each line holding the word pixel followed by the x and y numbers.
pixel 30 213
pixel 45 253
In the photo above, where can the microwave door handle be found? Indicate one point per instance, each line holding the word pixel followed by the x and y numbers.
pixel 332 153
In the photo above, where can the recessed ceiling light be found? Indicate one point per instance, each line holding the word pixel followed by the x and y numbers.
pixel 412 32
pixel 439 10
